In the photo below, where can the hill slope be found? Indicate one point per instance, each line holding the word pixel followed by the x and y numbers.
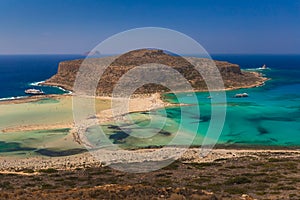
pixel 231 74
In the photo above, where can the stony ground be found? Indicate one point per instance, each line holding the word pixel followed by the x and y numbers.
pixel 264 176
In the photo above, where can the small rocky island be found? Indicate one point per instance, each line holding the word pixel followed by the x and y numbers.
pixel 233 77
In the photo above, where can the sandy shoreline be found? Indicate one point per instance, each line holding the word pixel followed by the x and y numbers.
pixel 136 104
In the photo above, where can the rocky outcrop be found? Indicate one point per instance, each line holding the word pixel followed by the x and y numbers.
pixel 232 75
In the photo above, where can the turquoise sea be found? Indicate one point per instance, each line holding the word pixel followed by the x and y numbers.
pixel 270 116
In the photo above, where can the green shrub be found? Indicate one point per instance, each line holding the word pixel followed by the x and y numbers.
pixel 29 171
pixel 238 180
pixel 49 170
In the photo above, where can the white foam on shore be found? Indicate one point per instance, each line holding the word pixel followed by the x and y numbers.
pixel 68 91
pixel 256 69
pixel 36 83
pixel 12 98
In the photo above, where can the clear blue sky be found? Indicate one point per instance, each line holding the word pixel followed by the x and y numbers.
pixel 221 26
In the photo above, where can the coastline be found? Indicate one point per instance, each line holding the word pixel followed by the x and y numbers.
pixel 25 99
pixel 138 103
pixel 259 83
pixel 38 83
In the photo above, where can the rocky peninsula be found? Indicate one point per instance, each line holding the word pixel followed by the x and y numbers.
pixel 233 77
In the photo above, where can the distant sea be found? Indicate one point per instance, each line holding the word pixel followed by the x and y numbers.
pixel 269 116
pixel 20 72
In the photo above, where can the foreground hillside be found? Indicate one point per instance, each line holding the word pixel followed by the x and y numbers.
pixel 265 175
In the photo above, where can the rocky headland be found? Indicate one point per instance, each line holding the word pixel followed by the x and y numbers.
pixel 233 77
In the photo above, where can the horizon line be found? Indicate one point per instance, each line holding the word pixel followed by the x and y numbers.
pixel 82 54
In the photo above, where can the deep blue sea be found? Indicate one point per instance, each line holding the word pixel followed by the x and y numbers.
pixel 20 72
pixel 269 116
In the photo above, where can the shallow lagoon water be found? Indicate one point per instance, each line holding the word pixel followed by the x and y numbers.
pixel 40 127
pixel 31 142
pixel 263 118
pixel 270 116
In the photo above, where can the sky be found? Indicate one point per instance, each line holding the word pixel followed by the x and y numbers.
pixel 220 26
